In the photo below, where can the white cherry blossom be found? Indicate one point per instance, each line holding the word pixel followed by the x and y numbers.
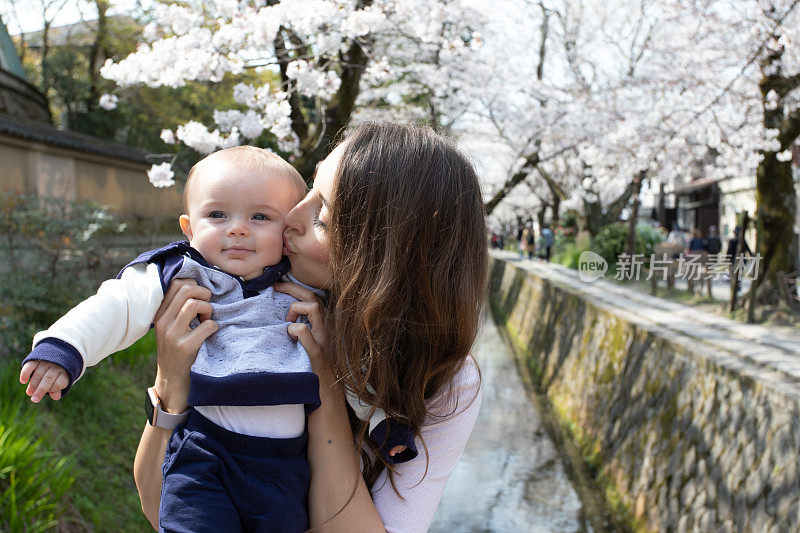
pixel 161 175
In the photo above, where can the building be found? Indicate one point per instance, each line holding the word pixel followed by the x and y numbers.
pixel 38 158
pixel 702 202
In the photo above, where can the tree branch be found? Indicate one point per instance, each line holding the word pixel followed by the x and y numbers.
pixel 616 207
pixel 530 162
pixel 543 41
pixel 299 124
pixel 554 187
pixel 790 129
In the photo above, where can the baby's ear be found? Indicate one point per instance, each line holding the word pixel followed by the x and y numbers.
pixel 186 226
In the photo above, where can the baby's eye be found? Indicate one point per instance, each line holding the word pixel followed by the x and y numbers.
pixel 216 214
pixel 260 216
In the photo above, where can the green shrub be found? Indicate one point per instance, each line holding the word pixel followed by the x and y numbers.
pixel 569 256
pixel 647 237
pixel 610 242
pixel 568 246
pixel 45 447
pixel 45 247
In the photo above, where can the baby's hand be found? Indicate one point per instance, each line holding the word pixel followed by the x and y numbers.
pixel 43 378
pixel 397 449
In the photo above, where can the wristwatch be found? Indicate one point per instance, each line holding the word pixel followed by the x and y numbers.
pixel 157 416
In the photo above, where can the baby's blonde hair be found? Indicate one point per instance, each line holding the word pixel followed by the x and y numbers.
pixel 251 157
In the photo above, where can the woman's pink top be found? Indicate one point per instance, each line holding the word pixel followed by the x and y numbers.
pixel 445 439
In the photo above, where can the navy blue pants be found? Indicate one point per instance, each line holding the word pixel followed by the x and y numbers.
pixel 219 481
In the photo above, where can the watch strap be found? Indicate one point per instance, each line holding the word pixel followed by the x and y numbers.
pixel 161 418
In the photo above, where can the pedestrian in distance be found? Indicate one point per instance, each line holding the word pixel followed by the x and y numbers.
pixel 695 252
pixel 530 243
pixel 713 247
pixel 548 238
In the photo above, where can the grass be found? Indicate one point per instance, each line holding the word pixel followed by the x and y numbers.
pixel 33 479
pixel 98 425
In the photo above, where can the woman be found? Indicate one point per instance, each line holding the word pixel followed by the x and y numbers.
pixel 394 229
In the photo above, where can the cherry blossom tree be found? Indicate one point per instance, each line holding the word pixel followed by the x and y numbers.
pixel 579 104
pixel 332 57
pixel 661 91
pixel 579 116
pixel 738 69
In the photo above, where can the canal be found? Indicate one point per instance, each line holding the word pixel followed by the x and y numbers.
pixel 513 476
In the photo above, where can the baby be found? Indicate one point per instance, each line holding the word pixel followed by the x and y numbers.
pixel 240 457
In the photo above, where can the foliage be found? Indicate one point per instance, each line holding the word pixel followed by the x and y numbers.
pixel 567 246
pixel 104 406
pixel 610 242
pixel 569 221
pixel 647 237
pixel 73 90
pixel 100 422
pixel 33 478
pixel 47 245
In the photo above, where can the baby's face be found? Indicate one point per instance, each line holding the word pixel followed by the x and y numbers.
pixel 236 216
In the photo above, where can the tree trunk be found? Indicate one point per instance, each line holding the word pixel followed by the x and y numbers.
pixel 318 144
pixel 540 217
pixel 45 51
pixel 318 132
pixel 775 214
pixel 630 241
pixel 594 218
pixel 97 55
pixel 776 196
pixel 556 195
pixel 742 223
pixel 556 209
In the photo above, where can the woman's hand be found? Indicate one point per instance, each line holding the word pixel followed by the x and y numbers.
pixel 177 342
pixel 311 335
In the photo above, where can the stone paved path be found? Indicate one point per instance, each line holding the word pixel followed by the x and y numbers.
pixel 763 346
pixel 511 477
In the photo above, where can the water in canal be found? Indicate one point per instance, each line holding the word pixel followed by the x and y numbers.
pixel 513 477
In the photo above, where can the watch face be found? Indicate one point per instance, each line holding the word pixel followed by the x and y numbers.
pixel 148 406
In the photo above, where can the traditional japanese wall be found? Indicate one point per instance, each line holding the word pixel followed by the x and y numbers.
pixel 682 437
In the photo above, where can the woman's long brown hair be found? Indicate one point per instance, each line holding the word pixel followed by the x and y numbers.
pixel 409 262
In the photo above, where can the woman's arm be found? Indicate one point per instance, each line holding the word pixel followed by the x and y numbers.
pixel 177 348
pixel 332 454
pixel 147 469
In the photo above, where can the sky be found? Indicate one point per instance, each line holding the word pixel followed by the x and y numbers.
pixel 26 15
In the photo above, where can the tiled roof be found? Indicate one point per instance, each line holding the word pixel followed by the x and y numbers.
pixel 8 54
pixel 47 134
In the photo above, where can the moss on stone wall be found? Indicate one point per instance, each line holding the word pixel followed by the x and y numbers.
pixel 676 439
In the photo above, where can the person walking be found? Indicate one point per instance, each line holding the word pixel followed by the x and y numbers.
pixel 548 238
pixel 695 253
pixel 530 242
pixel 522 240
pixel 713 247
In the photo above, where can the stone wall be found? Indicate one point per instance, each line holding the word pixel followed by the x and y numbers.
pixel 681 437
pixel 104 261
pixel 121 185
